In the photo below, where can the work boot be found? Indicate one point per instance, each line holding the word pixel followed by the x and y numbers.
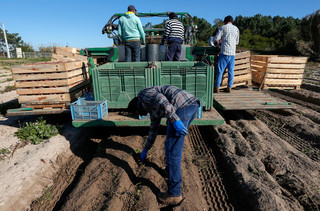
pixel 216 90
pixel 164 198
pixel 228 89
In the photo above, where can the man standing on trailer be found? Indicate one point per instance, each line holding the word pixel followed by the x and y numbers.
pixel 180 108
pixel 130 30
pixel 230 38
pixel 174 33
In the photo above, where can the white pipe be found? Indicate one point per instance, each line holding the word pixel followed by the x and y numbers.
pixel 5 38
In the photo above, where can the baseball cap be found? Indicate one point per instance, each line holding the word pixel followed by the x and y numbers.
pixel 131 7
pixel 172 15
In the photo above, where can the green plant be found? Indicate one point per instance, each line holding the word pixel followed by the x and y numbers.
pixel 7 89
pixel 36 132
pixel 4 152
pixel 6 80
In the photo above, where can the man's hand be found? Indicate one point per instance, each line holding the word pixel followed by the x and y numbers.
pixel 143 155
pixel 180 128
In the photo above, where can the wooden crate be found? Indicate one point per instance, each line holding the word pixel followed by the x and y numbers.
pixel 277 72
pixel 67 54
pixel 50 84
pixel 242 72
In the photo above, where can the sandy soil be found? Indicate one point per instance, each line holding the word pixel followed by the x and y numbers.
pixel 257 160
pixel 28 169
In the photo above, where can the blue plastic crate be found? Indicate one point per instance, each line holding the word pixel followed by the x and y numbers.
pixel 88 110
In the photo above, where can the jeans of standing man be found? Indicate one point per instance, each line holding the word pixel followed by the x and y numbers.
pixel 223 62
pixel 132 51
pixel 174 146
pixel 174 49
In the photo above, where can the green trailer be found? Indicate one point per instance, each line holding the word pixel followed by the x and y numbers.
pixel 115 82
pixel 119 82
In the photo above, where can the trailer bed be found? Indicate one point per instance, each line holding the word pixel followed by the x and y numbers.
pixel 117 119
pixel 247 99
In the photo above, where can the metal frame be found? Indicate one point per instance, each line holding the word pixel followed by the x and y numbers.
pixel 190 32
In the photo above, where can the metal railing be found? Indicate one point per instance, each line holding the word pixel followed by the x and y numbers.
pixel 27 55
pixel 35 55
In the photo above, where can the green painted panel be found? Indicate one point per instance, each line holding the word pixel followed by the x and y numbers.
pixel 119 82
pixel 194 77
pixel 138 123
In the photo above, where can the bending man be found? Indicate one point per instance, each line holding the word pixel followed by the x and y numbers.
pixel 180 108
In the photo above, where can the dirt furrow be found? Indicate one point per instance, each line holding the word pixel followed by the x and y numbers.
pixel 65 179
pixel 214 190
pixel 300 144
pixel 258 160
pixel 112 178
pixel 303 136
pixel 256 151
pixel 303 97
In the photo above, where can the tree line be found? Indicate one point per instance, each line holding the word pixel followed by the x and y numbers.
pixel 15 41
pixel 280 35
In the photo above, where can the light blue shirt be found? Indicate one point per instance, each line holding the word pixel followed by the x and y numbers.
pixel 130 28
pixel 229 34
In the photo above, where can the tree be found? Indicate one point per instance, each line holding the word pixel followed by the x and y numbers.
pixel 204 29
pixel 14 41
pixel 274 29
pixel 310 34
pixel 257 42
pixel 217 23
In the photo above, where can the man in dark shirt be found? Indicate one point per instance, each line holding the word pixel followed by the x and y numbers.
pixel 174 33
pixel 180 108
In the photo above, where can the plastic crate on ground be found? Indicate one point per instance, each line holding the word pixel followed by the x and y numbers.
pixel 88 110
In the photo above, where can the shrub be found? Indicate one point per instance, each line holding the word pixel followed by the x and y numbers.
pixel 36 132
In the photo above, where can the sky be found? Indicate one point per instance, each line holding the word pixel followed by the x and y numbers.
pixel 79 23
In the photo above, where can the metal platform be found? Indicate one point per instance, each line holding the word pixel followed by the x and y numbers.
pixel 117 119
pixel 30 111
pixel 246 99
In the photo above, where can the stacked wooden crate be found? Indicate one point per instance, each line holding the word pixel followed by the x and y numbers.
pixel 242 72
pixel 50 85
pixel 67 54
pixel 277 72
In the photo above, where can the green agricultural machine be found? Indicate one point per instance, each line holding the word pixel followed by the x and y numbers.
pixel 117 82
pixel 114 82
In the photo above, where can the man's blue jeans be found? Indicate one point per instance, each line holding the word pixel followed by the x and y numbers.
pixel 174 146
pixel 132 51
pixel 223 62
pixel 173 52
